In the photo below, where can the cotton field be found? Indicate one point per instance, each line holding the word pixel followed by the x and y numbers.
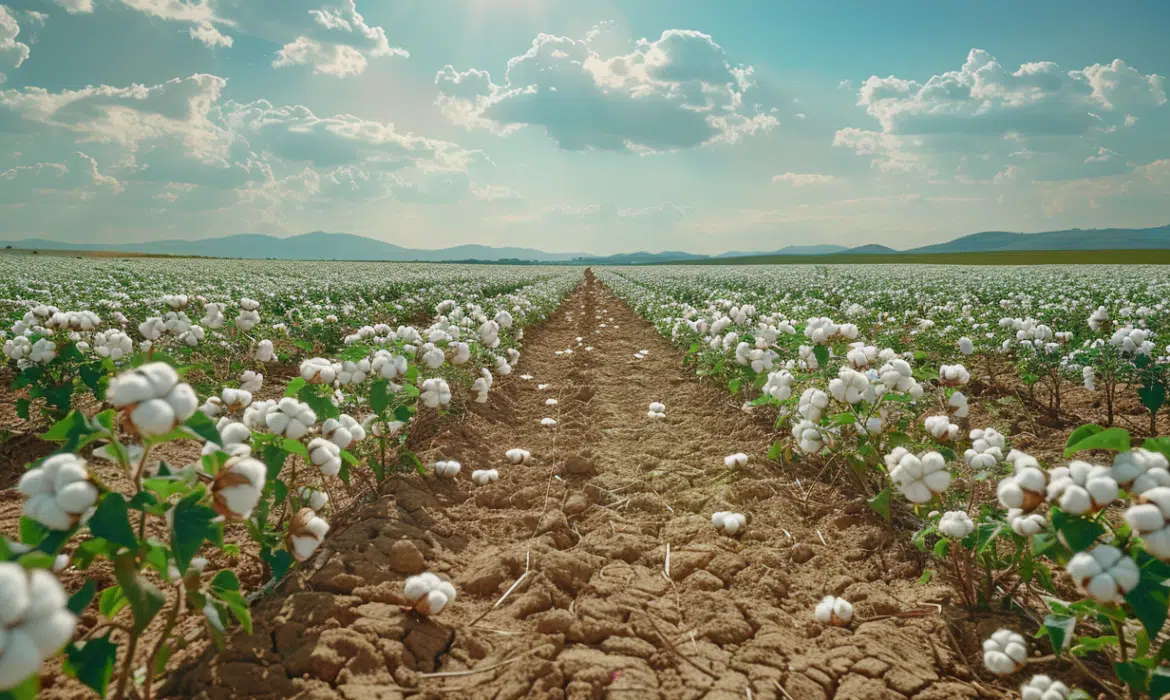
pixel 198 442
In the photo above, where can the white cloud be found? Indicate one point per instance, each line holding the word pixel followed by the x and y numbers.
pixel 330 36
pixel 79 177
pixel 1103 154
pixel 679 91
pixel 12 52
pixel 76 6
pixel 804 179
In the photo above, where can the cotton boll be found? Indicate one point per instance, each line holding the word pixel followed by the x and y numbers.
pixel 953 375
pixel 236 489
pixel 956 524
pixel 966 346
pixel 318 370
pixel 428 594
pixel 517 455
pixel 739 459
pixel 1104 572
pixel 1042 687
pixel 728 523
pixel 59 491
pixel 1140 470
pixel 447 469
pixel 290 418
pixel 548 422
pixel 834 611
pixel 941 428
pixel 1150 518
pixel 36 621
pixel 957 404
pixel 251 381
pixel 1081 487
pixel 153 398
pixel 325 455
pixel 483 477
pixel 305 534
pixel 921 478
pixel 1025 489
pixel 314 498
pixel 1005 652
pixel 435 392
pixel 264 351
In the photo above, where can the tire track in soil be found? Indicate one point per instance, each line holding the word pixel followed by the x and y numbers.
pixel 596 615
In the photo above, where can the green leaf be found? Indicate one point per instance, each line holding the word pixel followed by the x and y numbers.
pixel 59 396
pixel 776 450
pixel 226 587
pixel 32 532
pixel 411 374
pixel 412 459
pixel 822 354
pixel 1078 532
pixel 1116 439
pixel 1160 444
pixel 192 525
pixel 37 560
pixel 111 520
pixel 92 663
pixel 1059 629
pixel 294 387
pixel 111 601
pixel 295 447
pixel 28 689
pixel 94 376
pixel 274 457
pixel 403 413
pixel 1149 600
pixel 348 458
pixel 204 427
pixel 941 548
pixel 734 385
pixel 145 599
pixel 321 405
pixel 73 432
pixel 1132 674
pixel 845 418
pixel 1081 433
pixel 1152 396
pixel 379 397
pixel 925 577
pixel 880 503
pixel 22 406
pixel 80 600
pixel 280 561
pixel 165 487
pixel 1160 682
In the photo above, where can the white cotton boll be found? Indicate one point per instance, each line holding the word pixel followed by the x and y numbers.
pixel 956 524
pixel 966 346
pixel 237 487
pixel 428 594
pixel 251 381
pixel 36 621
pixel 1104 572
pixel 1149 518
pixel 325 455
pixel 314 498
pixel 542 387
pixel 517 455
pixel 812 404
pixel 1005 652
pixel 291 419
pixel 1081 487
pixel 957 404
pixel 548 422
pixel 460 353
pixel 435 392
pixel 235 399
pixel 447 469
pixel 1025 489
pixel 1042 687
pixel 1026 524
pixel 728 523
pixel 921 478
pixel 1140 470
pixel 657 407
pixel 833 611
pixel 433 357
pixel 739 459
pixel 941 428
pixel 305 534
pixel 318 370
pixel 264 351
pixel 483 477
pixel 59 491
pixel 809 438
pixel 953 375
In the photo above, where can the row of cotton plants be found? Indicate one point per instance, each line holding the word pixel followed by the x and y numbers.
pixel 1086 540
pixel 264 473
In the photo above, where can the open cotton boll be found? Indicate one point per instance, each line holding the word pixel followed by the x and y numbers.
pixel 517 455
pixel 1026 489
pixel 953 375
pixel 1104 572
pixel 957 404
pixel 956 524
pixel 237 487
pixel 251 381
pixel 290 418
pixel 1042 687
pixel 1140 470
pixel 739 459
pixel 921 478
pixel 1150 518
pixel 850 386
pixel 1081 487
pixel 235 399
pixel 435 392
pixel 447 469
pixel 833 611
pixel 325 455
pixel 343 431
pixel 548 422
pixel 966 346
pixel 1005 652
pixel 483 477
pixel 305 534
pixel 264 351
pixel 809 438
pixel 153 398
pixel 35 621
pixel 728 523
pixel 1026 524
pixel 314 498
pixel 59 491
pixel 941 428
pixel 318 370
pixel 428 594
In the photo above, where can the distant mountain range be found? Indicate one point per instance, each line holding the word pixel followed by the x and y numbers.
pixel 343 246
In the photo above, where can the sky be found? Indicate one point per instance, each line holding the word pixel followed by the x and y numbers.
pixel 592 126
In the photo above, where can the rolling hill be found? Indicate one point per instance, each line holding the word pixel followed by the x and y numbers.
pixel 1071 239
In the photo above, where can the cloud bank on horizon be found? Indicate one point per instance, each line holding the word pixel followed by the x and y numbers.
pixel 534 123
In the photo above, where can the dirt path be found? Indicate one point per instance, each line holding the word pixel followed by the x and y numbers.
pixel 596 616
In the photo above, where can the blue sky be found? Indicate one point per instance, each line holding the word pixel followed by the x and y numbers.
pixel 581 126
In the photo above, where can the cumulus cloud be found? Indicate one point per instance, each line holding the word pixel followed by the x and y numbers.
pixel 12 52
pixel 1103 154
pixel 330 36
pixel 679 91
pixel 76 6
pixel 78 177
pixel 804 179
